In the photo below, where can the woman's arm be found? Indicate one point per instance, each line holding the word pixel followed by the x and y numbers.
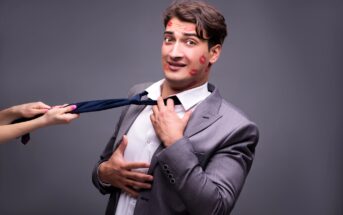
pixel 27 110
pixel 56 115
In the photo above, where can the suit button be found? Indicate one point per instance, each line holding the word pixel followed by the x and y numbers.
pixel 172 181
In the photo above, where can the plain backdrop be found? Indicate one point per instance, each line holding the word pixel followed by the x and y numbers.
pixel 281 64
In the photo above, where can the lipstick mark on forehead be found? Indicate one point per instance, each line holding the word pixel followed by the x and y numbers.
pixel 181 26
pixel 202 59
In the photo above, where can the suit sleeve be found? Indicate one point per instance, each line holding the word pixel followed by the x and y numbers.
pixel 216 184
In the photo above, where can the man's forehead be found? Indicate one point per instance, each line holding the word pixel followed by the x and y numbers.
pixel 175 24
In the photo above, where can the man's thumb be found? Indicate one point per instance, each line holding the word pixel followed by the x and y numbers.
pixel 123 144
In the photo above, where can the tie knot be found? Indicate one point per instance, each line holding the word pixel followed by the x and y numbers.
pixel 174 98
pixel 137 99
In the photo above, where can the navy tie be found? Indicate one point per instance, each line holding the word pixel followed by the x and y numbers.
pixel 99 105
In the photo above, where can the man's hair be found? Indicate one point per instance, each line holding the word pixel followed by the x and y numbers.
pixel 210 23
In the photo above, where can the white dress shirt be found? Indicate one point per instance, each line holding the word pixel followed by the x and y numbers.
pixel 142 139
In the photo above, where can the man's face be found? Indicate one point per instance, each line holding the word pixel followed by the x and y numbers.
pixel 186 57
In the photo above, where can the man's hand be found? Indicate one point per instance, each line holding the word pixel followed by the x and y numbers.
pixel 169 127
pixel 121 174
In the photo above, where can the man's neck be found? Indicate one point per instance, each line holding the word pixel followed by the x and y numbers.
pixel 167 89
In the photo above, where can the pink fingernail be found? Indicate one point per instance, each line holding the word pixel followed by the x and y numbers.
pixel 74 107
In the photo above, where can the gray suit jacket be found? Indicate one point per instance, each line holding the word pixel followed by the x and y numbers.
pixel 202 173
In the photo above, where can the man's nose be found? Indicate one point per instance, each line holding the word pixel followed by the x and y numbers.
pixel 176 51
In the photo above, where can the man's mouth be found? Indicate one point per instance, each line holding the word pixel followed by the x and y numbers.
pixel 175 66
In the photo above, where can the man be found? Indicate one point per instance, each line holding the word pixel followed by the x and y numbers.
pixel 191 158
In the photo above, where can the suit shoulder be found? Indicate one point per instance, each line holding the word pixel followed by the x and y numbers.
pixel 137 88
pixel 234 114
pixel 238 122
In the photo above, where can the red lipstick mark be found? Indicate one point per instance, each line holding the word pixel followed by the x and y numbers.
pixel 202 59
pixel 165 67
pixel 170 23
pixel 193 72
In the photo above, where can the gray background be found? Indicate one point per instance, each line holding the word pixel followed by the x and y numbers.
pixel 281 64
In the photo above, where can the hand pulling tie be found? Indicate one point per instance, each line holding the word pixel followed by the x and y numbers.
pixel 99 105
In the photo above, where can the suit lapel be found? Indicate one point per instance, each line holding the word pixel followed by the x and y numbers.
pixel 200 122
pixel 205 114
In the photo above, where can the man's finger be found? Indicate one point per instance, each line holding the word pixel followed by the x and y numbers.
pixel 130 191
pixel 152 118
pixel 155 109
pixel 136 165
pixel 138 176
pixel 123 144
pixel 160 103
pixel 138 184
pixel 170 104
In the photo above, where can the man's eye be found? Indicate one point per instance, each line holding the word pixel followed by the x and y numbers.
pixel 191 42
pixel 168 39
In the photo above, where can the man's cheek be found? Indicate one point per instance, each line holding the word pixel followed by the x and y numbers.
pixel 202 59
pixel 193 72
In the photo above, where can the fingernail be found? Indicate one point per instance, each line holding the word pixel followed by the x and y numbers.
pixel 73 107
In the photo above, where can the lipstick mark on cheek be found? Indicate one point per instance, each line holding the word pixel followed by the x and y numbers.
pixel 170 23
pixel 165 67
pixel 202 59
pixel 193 72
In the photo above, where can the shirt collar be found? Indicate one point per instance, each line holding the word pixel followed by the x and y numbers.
pixel 188 98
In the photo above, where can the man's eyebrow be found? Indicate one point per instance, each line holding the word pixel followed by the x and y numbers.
pixel 168 32
pixel 191 34
pixel 185 34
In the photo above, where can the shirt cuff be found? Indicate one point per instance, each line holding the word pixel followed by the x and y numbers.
pixel 101 183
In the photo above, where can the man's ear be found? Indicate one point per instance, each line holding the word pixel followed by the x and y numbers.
pixel 215 53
